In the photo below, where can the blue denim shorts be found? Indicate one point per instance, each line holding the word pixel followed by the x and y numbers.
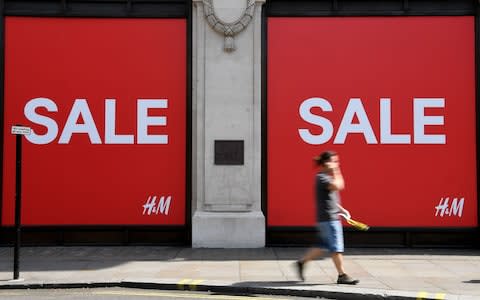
pixel 330 235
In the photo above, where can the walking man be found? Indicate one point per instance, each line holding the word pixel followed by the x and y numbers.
pixel 328 183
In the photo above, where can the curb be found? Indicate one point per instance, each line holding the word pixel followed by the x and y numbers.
pixel 237 290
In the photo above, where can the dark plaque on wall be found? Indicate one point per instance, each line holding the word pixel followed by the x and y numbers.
pixel 228 152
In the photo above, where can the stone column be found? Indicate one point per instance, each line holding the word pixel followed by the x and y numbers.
pixel 226 104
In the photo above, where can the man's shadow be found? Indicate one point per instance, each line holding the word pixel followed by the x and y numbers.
pixel 472 281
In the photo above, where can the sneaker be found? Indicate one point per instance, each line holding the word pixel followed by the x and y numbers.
pixel 299 267
pixel 345 279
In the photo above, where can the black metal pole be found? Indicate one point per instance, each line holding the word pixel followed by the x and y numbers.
pixel 477 108
pixel 18 206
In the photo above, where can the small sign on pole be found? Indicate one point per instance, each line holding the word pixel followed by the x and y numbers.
pixel 21 130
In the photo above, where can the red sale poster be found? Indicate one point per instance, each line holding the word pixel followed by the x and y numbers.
pixel 106 100
pixel 395 97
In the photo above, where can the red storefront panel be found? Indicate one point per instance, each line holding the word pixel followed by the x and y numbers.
pixel 106 99
pixel 395 97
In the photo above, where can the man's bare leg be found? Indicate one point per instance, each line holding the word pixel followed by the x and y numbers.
pixel 343 278
pixel 311 254
pixel 337 258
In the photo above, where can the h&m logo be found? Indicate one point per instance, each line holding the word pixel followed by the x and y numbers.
pixel 444 208
pixel 151 207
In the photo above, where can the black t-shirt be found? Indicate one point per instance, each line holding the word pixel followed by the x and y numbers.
pixel 327 209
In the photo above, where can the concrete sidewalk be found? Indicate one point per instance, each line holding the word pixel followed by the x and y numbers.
pixel 383 273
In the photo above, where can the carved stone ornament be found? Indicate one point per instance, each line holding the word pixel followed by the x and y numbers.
pixel 229 29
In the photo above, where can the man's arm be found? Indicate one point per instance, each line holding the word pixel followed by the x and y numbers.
pixel 343 210
pixel 337 183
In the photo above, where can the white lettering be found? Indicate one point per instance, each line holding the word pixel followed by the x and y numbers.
pixel 81 111
pixel 31 114
pixel 441 207
pixel 164 205
pixel 420 121
pixel 445 209
pixel 80 108
pixel 150 207
pixel 110 118
pixel 307 116
pixel 355 108
pixel 457 207
pixel 144 121
pixel 386 136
